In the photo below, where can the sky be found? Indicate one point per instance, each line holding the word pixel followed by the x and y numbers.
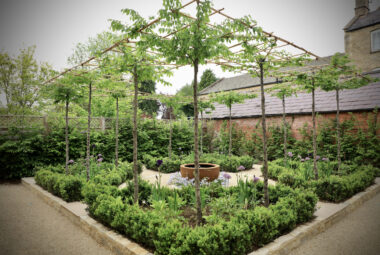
pixel 56 26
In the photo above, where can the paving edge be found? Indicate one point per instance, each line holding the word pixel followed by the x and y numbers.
pixel 117 243
pixel 286 243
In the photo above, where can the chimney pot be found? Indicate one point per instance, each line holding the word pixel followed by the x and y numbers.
pixel 361 7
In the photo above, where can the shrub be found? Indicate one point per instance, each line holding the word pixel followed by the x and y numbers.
pixel 262 224
pixel 329 187
pixel 230 230
pixel 67 187
pixel 339 188
pixel 292 179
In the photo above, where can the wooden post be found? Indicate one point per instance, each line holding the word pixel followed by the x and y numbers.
pixel 102 124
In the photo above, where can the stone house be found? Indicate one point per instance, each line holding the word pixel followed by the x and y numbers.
pixel 362 45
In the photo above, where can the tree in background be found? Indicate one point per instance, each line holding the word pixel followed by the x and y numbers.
pixel 339 75
pixel 66 90
pixel 150 106
pixel 228 99
pixel 117 94
pixel 187 91
pixel 21 80
pixel 208 77
pixel 7 69
pixel 204 107
pixel 92 47
pixel 173 104
pixel 281 91
pixel 309 82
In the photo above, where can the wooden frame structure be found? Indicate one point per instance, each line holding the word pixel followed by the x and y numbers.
pixel 91 62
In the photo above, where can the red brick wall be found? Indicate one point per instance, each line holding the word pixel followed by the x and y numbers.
pixel 298 121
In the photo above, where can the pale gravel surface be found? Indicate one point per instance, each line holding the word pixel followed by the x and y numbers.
pixel 357 234
pixel 29 226
pixel 152 176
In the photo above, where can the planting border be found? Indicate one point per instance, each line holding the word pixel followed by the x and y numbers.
pixel 77 214
pixel 327 215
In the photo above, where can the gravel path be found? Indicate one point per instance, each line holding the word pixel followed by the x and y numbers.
pixel 357 234
pixel 30 226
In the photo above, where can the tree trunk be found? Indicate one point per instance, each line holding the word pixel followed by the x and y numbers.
pixel 230 135
pixel 117 134
pixel 337 129
pixel 88 132
pixel 170 134
pixel 201 132
pixel 263 123
pixel 314 133
pixel 196 155
pixel 134 133
pixel 67 136
pixel 285 128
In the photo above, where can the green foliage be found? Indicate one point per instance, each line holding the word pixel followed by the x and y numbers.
pixel 21 80
pixel 337 189
pixel 229 229
pixel 238 138
pixel 66 187
pixel 329 187
pixel 208 77
pixel 149 106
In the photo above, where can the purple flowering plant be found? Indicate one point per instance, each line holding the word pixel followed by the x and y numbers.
pixel 241 168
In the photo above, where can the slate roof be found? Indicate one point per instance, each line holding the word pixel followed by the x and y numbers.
pixel 247 81
pixel 364 98
pixel 372 18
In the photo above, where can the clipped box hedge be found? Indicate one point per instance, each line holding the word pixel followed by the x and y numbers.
pixel 158 230
pixel 67 187
pixel 334 188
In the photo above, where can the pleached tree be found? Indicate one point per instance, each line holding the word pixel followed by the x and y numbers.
pixel 66 90
pixel 258 55
pixel 136 62
pixel 282 91
pixel 193 42
pixel 341 74
pixel 228 99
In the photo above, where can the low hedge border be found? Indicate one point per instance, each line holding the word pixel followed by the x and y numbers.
pixel 243 231
pixel 333 188
pixel 67 187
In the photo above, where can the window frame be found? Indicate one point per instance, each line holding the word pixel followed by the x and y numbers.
pixel 371 39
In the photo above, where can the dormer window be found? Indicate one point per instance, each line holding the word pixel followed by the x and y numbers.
pixel 375 40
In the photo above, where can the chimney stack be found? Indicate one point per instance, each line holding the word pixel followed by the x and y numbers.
pixel 361 8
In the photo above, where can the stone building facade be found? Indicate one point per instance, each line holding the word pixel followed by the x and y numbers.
pixel 362 37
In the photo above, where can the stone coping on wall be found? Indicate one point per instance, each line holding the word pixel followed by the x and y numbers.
pixel 326 215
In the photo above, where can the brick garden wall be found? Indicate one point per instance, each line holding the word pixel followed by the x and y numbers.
pixel 298 121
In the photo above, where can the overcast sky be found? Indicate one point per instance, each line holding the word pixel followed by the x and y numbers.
pixel 56 26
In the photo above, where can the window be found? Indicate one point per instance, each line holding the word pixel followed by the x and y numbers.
pixel 375 40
